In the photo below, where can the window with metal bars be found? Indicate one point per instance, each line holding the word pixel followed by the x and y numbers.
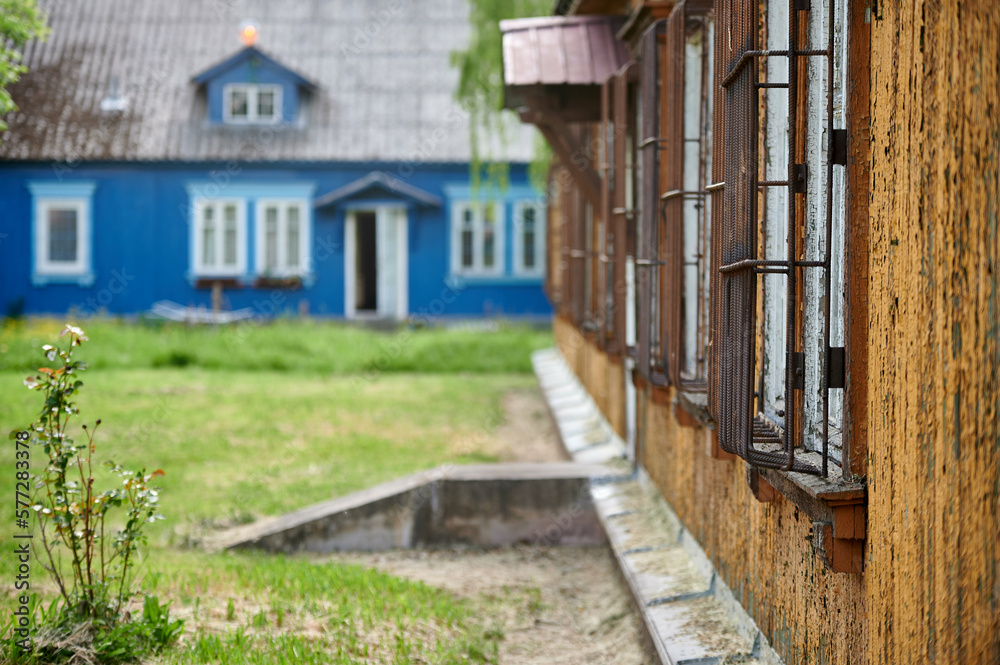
pixel 606 300
pixel 649 277
pixel 616 134
pixel 778 235
pixel 684 204
pixel 555 246
pixel 576 253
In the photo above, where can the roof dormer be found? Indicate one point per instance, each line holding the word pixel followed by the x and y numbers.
pixel 252 88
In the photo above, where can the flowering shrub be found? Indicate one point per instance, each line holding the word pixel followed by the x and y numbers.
pixel 90 537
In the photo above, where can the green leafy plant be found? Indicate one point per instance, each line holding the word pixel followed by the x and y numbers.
pixel 20 22
pixel 90 551
pixel 480 87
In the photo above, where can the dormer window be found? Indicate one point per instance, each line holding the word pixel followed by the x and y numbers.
pixel 252 88
pixel 252 103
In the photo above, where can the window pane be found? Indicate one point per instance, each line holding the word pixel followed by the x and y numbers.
pixel 468 251
pixel 529 218
pixel 229 235
pixel 265 104
pixel 467 259
pixel 238 103
pixel 208 236
pixel 489 243
pixel 270 238
pixel 528 244
pixel 489 236
pixel 292 240
pixel 62 234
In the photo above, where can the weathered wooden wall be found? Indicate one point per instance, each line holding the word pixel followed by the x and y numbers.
pixel 615 408
pixel 602 375
pixel 761 550
pixel 934 382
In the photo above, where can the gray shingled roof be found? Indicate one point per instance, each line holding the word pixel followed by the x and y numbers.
pixel 385 97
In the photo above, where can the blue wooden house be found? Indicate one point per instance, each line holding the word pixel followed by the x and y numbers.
pixel 282 156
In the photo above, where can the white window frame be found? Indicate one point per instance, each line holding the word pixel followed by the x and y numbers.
pixel 540 235
pixel 198 268
pixel 252 90
pixel 499 247
pixel 305 237
pixel 43 264
pixel 775 126
pixel 79 197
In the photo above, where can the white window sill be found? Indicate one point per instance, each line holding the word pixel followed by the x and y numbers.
pixel 499 279
pixel 83 279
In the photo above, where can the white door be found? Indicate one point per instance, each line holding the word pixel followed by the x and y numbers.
pixel 391 240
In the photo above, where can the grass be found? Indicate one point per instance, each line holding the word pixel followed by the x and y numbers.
pixel 273 609
pixel 258 424
pixel 309 347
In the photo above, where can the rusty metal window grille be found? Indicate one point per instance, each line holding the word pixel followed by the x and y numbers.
pixel 685 205
pixel 591 229
pixel 617 206
pixel 574 254
pixel 626 176
pixel 552 264
pixel 648 238
pixel 588 247
pixel 607 258
pixel 780 240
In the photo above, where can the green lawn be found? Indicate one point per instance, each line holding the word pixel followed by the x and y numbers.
pixel 308 347
pixel 260 421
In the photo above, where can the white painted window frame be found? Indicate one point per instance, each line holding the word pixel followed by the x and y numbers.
pixel 775 125
pixel 198 269
pixel 252 90
pixel 499 248
pixel 80 268
pixel 697 214
pixel 540 235
pixel 305 237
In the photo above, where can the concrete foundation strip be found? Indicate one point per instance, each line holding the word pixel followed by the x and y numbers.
pixel 659 559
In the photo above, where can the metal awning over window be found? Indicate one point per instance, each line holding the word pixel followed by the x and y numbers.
pixel 562 58
pixel 554 68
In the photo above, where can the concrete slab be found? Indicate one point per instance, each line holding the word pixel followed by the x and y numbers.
pixel 584 433
pixel 487 505
pixel 689 614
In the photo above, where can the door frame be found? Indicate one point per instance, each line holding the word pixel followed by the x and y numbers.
pixel 382 216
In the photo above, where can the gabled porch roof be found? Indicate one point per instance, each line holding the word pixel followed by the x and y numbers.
pixel 378 181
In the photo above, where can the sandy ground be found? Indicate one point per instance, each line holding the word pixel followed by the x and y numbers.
pixel 528 433
pixel 557 605
pixel 553 605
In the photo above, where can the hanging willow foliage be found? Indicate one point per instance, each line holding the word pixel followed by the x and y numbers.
pixel 480 87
